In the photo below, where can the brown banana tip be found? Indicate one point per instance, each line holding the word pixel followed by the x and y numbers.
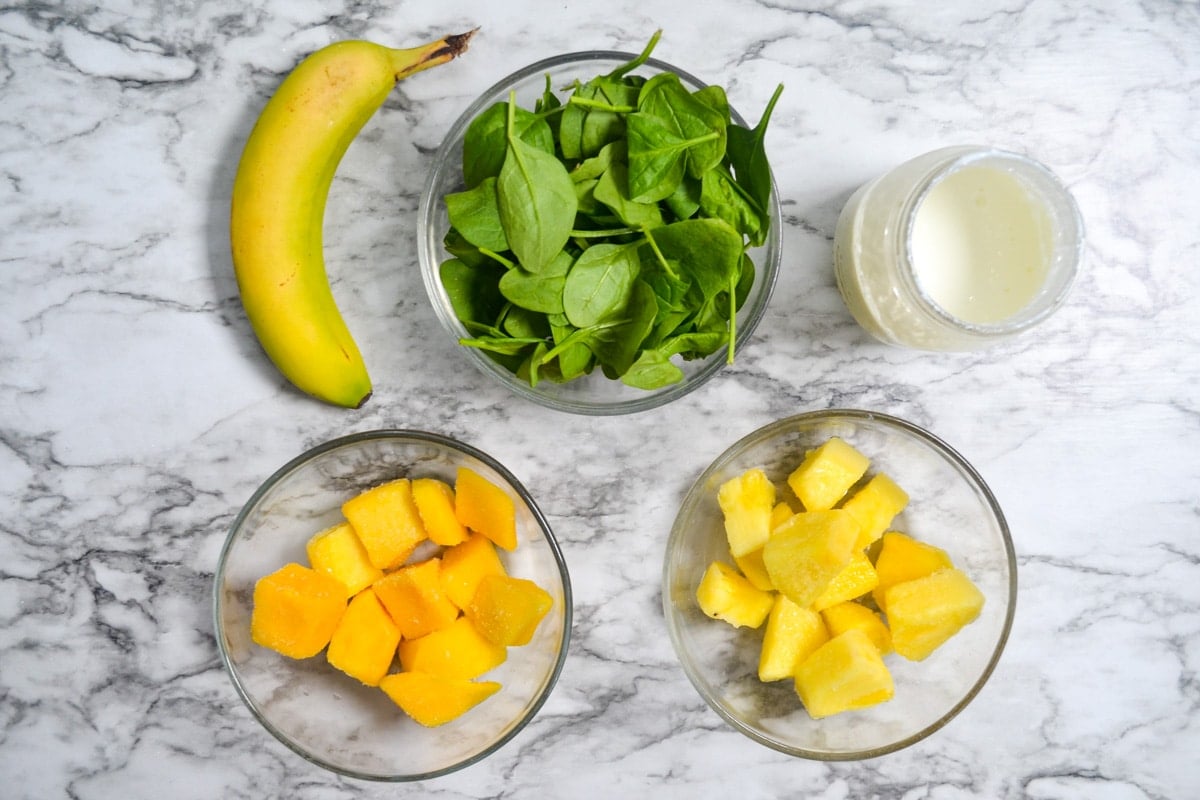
pixel 456 44
pixel 363 402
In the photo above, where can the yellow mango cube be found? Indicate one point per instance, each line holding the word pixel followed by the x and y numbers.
pixel 337 552
pixel 457 651
pixel 296 610
pixel 844 674
pixel 850 615
pixel 746 502
pixel 792 634
pixel 435 504
pixel 726 595
pixel 364 644
pixel 805 553
pixel 923 613
pixel 902 558
pixel 415 598
pixel 508 610
pixel 433 700
pixel 856 579
pixel 466 564
pixel 826 474
pixel 485 508
pixel 387 522
pixel 874 506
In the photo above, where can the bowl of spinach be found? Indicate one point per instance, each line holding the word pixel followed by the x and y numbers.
pixel 601 231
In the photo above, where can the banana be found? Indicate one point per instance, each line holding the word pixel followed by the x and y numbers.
pixel 278 207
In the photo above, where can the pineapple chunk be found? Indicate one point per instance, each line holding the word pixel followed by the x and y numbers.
pixel 826 474
pixel 435 504
pixel 844 674
pixel 780 514
pixel 874 506
pixel 364 643
pixel 751 564
pixel 725 594
pixel 507 610
pixel 805 553
pixel 337 552
pixel 846 616
pixel 485 508
pixel 856 579
pixel 746 502
pixel 466 564
pixel 925 612
pixel 415 598
pixel 902 558
pixel 457 651
pixel 434 700
pixel 792 634
pixel 387 522
pixel 296 610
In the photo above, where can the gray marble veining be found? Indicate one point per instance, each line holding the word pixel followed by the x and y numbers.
pixel 138 412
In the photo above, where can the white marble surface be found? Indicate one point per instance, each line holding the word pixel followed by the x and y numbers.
pixel 138 413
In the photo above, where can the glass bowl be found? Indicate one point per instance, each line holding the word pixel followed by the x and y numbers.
pixel 950 506
pixel 593 394
pixel 324 715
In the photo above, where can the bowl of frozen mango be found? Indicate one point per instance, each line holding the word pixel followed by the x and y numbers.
pixel 392 605
pixel 600 231
pixel 839 584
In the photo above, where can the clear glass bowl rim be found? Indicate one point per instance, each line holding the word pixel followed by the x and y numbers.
pixel 408 435
pixel 806 418
pixel 428 250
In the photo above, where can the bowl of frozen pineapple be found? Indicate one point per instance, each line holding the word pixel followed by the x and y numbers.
pixel 392 605
pixel 839 584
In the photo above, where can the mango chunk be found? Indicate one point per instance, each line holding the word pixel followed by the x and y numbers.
pixel 416 599
pixel 337 552
pixel 902 558
pixel 805 553
pixel 856 579
pixel 364 644
pixel 792 634
pixel 433 700
pixel 874 506
pixel 435 504
pixel 850 615
pixel 923 613
pixel 296 610
pixel 466 564
pixel 844 674
pixel 826 473
pixel 456 651
pixel 387 522
pixel 508 610
pixel 726 595
pixel 485 508
pixel 746 502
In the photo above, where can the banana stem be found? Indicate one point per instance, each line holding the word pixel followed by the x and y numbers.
pixel 408 61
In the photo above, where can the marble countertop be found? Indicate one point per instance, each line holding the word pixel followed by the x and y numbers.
pixel 139 413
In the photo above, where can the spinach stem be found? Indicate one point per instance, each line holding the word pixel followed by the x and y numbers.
pixel 732 317
pixel 602 233
pixel 497 257
pixel 662 260
pixel 600 105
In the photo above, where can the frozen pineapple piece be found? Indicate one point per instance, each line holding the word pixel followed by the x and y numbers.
pixel 364 643
pixel 387 522
pixel 296 610
pixel 746 502
pixel 826 474
pixel 780 514
pixel 844 674
pixel 457 651
pixel 726 595
pixel 874 506
pixel 485 508
pixel 415 598
pixel 923 613
pixel 847 616
pixel 792 634
pixel 902 558
pixel 507 610
pixel 755 570
pixel 856 579
pixel 435 504
pixel 337 552
pixel 433 700
pixel 466 564
pixel 805 553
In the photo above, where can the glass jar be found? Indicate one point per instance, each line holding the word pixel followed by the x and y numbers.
pixel 957 249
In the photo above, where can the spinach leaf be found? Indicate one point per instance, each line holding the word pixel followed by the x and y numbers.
pixel 723 198
pixel 600 283
pixel 748 155
pixel 541 292
pixel 653 369
pixel 710 250
pixel 475 214
pixel 485 141
pixel 617 347
pixel 472 291
pixel 612 190
pixel 664 96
